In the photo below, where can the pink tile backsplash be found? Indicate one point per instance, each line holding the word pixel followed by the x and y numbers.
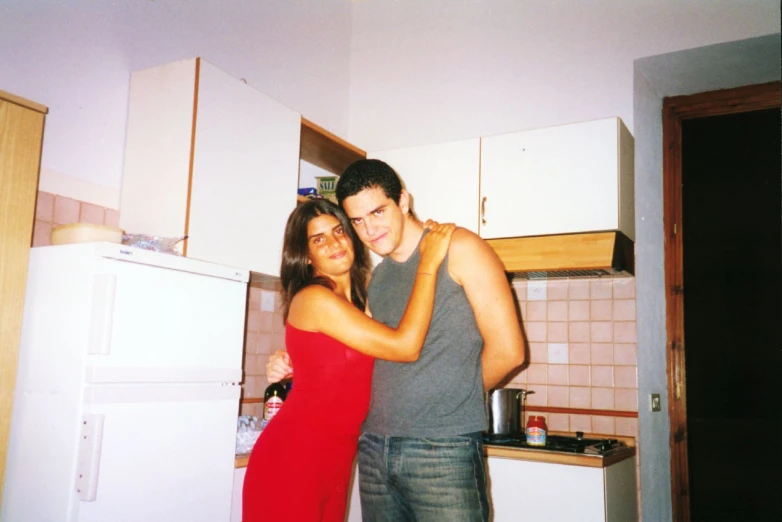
pixel 559 396
pixel 578 332
pixel 624 332
pixel 537 373
pixel 596 320
pixel 580 397
pixel 557 332
pixel 44 207
pixel 578 310
pixel 602 375
pixel 603 398
pixel 66 210
pixel 557 310
pixel 536 311
pixel 578 289
pixel 538 352
pixel 626 399
pixel 265 334
pixel 90 213
pixel 601 331
pixel 52 210
pixel 579 375
pixel 581 423
pixel 601 310
pixel 603 424
pixel 602 353
pixel 579 353
pixel 625 354
pixel 626 426
pixel 557 291
pixel 624 288
pixel 557 374
pixel 536 331
pixel 624 310
pixel 625 377
pixel 601 289
pixel 112 218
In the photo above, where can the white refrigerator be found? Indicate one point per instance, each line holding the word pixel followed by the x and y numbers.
pixel 127 389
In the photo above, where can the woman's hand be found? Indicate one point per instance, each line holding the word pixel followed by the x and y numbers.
pixel 434 246
pixel 279 367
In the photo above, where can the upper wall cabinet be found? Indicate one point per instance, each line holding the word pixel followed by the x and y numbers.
pixel 558 180
pixel 209 157
pixel 442 179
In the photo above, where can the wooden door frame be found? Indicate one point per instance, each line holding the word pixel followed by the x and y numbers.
pixel 675 110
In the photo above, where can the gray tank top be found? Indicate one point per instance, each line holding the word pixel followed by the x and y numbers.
pixel 441 394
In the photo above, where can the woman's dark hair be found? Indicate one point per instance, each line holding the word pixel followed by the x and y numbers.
pixel 295 271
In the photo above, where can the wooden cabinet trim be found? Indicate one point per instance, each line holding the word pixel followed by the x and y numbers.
pixel 325 149
pixel 18 100
pixel 588 251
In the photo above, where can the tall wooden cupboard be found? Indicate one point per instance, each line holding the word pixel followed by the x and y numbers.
pixel 21 136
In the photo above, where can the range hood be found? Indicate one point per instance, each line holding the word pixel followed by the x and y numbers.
pixel 588 254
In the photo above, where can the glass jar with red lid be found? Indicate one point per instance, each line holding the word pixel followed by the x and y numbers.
pixel 536 430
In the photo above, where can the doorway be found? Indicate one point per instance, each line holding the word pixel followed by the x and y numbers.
pixel 723 215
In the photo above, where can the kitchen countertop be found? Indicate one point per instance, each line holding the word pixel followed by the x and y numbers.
pixel 536 455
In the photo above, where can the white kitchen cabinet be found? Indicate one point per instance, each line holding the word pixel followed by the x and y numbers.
pixel 526 490
pixel 558 180
pixel 209 157
pixel 442 179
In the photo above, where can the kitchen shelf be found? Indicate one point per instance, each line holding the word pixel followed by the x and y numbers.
pixel 325 149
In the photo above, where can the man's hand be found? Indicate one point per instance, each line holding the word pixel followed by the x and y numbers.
pixel 279 367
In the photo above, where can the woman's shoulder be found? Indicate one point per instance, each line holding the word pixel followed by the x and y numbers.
pixel 312 297
pixel 314 292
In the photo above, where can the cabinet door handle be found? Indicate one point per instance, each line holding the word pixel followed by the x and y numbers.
pixel 483 210
pixel 88 465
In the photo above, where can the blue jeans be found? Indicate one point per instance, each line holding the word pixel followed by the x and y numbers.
pixel 422 479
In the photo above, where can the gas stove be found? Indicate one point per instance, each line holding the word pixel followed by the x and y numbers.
pixel 559 443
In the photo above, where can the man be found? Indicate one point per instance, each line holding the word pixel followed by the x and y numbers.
pixel 421 450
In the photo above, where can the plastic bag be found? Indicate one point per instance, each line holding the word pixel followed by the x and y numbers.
pixel 248 429
pixel 166 245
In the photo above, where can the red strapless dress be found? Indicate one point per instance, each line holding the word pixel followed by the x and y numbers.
pixel 300 468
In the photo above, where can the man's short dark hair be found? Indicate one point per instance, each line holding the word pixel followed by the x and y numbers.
pixel 367 174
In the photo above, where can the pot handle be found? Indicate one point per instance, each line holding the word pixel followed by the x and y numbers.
pixel 523 394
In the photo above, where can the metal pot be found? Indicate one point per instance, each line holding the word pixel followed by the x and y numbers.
pixel 505 407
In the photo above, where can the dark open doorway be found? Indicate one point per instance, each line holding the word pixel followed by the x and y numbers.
pixel 724 274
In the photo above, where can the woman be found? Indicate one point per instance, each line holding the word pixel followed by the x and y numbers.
pixel 300 467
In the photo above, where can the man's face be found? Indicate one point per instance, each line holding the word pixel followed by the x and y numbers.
pixel 377 219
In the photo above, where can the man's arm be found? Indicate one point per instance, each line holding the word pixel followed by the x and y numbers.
pixel 474 265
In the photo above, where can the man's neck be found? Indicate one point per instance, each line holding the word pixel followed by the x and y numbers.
pixel 411 235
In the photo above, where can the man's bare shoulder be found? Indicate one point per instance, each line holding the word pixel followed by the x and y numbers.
pixel 465 242
pixel 469 253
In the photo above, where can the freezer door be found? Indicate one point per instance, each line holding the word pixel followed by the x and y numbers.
pixel 152 324
pixel 156 453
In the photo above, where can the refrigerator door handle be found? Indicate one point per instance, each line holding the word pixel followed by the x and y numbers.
pixel 102 313
pixel 90 440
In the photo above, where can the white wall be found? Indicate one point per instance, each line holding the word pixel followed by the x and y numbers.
pixel 75 57
pixel 440 70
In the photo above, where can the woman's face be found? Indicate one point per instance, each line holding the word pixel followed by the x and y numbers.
pixel 330 250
